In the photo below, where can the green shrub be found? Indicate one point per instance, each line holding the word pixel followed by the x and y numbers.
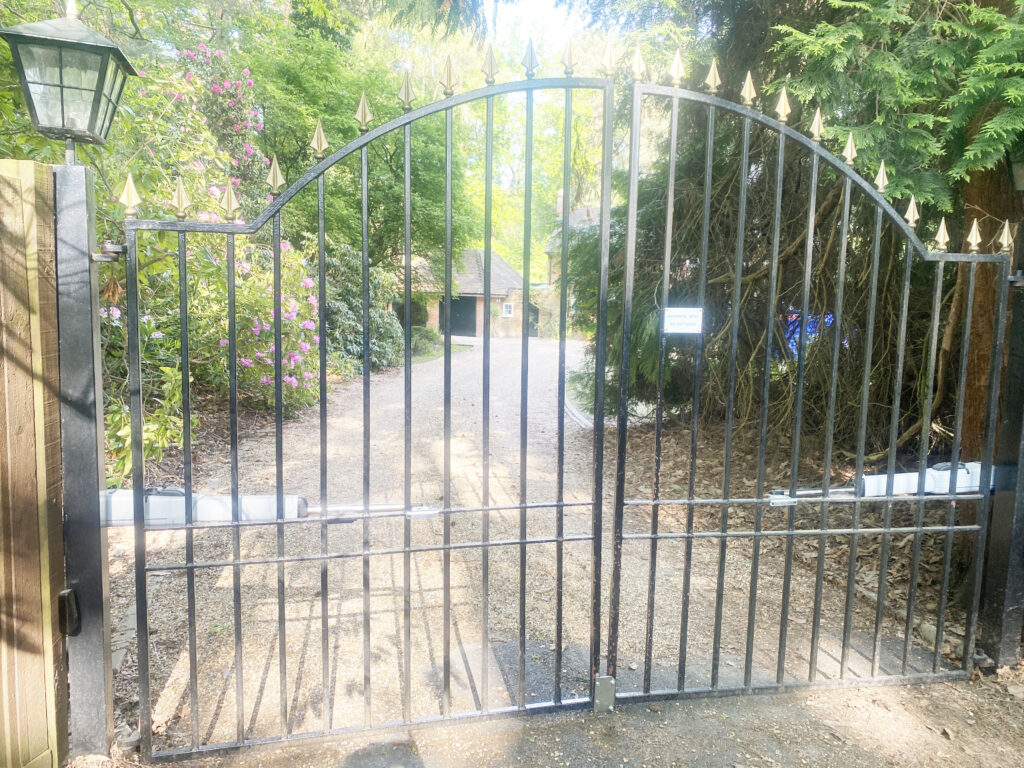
pixel 424 340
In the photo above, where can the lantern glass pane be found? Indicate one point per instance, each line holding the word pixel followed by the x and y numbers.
pixel 108 82
pixel 81 69
pixel 42 64
pixel 77 108
pixel 47 103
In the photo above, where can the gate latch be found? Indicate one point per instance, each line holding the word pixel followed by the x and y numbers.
pixel 68 617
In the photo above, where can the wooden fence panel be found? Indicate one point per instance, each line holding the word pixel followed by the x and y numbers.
pixel 33 681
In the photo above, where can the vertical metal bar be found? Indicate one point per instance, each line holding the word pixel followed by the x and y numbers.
pixel 524 388
pixel 865 391
pixel 446 702
pixel 485 437
pixel 236 548
pixel 186 421
pixel 326 694
pixel 787 578
pixel 600 372
pixel 666 276
pixel 954 460
pixel 684 621
pixel 138 487
pixel 90 679
pixel 282 640
pixel 737 288
pixel 364 186
pixel 563 308
pixel 922 472
pixel 623 413
pixel 769 337
pixel 830 428
pixel 407 458
pixel 1002 628
pixel 894 429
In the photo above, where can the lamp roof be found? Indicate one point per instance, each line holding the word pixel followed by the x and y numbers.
pixel 67 29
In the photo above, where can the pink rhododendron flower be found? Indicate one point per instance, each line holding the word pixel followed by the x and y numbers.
pixel 311 300
pixel 142 73
pixel 188 76
pixel 304 346
pixel 266 380
pixel 156 335
pixel 215 88
pixel 245 71
pixel 246 362
pixel 292 380
pixel 249 83
pixel 202 47
pixel 309 325
pixel 307 283
pixel 224 342
pixel 316 339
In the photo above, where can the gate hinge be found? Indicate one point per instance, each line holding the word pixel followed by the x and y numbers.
pixel 109 252
pixel 1017 279
pixel 68 617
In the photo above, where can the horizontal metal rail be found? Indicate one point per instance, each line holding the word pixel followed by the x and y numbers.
pixel 369 552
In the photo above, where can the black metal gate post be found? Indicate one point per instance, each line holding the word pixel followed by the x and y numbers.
pixel 1002 606
pixel 90 680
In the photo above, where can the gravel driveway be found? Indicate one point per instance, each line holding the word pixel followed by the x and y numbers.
pixel 310 702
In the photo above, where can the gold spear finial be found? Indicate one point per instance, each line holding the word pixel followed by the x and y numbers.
pixel 676 70
pixel 608 61
pixel 749 92
pixel 275 178
pixel 319 141
pixel 782 109
pixel 180 199
pixel 228 201
pixel 850 150
pixel 912 215
pixel 974 238
pixel 490 67
pixel 448 81
pixel 405 94
pixel 1006 239
pixel 569 58
pixel 881 178
pixel 363 114
pixel 129 197
pixel 712 81
pixel 530 61
pixel 942 236
pixel 637 65
pixel 817 125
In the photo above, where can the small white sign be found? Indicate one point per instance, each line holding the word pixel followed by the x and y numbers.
pixel 684 320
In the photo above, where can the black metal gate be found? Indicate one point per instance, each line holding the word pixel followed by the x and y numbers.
pixel 351 606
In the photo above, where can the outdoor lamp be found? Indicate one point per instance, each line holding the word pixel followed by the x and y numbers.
pixel 71 77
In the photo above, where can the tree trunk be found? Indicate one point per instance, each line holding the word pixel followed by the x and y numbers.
pixel 990 198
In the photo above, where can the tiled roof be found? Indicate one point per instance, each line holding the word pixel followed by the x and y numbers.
pixel 469 279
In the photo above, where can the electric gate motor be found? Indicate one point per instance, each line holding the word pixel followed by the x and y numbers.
pixel 165 508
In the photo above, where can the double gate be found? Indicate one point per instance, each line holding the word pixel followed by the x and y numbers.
pixel 482 561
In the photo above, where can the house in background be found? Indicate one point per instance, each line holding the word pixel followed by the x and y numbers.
pixel 468 308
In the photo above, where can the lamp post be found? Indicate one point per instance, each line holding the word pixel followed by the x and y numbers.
pixel 71 77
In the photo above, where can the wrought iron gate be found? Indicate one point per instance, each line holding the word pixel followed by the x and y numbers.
pixel 532 670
